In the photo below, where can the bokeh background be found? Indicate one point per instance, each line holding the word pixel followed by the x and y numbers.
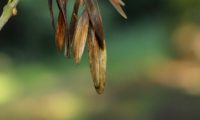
pixel 153 65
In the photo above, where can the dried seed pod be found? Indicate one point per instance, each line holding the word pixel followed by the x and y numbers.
pixel 93 50
pixel 60 32
pixel 73 23
pixel 96 20
pixel 118 6
pixel 61 27
pixel 97 60
pixel 102 68
pixel 62 8
pixel 74 17
pixel 88 25
pixel 80 36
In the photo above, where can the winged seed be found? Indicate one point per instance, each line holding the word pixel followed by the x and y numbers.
pixel 89 26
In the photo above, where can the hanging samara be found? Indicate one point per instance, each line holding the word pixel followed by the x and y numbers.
pixel 85 26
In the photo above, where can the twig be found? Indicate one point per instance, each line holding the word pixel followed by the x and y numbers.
pixel 9 10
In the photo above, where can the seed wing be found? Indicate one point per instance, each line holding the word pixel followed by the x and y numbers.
pixel 102 68
pixel 74 17
pixel 96 20
pixel 118 6
pixel 60 32
pixel 80 36
pixel 93 50
pixel 97 60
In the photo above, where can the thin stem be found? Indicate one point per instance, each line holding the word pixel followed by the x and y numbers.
pixel 8 12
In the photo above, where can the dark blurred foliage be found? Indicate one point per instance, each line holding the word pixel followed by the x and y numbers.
pixel 153 65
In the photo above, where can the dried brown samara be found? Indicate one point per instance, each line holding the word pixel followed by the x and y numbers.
pixel 85 26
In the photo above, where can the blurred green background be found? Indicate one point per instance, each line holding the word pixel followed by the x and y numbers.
pixel 153 65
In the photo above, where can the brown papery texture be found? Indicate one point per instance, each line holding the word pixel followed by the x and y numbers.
pixel 80 36
pixel 97 60
pixel 88 25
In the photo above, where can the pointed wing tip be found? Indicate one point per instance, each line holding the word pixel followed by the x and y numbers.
pixel 77 61
pixel 125 16
pixel 99 90
pixel 118 6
